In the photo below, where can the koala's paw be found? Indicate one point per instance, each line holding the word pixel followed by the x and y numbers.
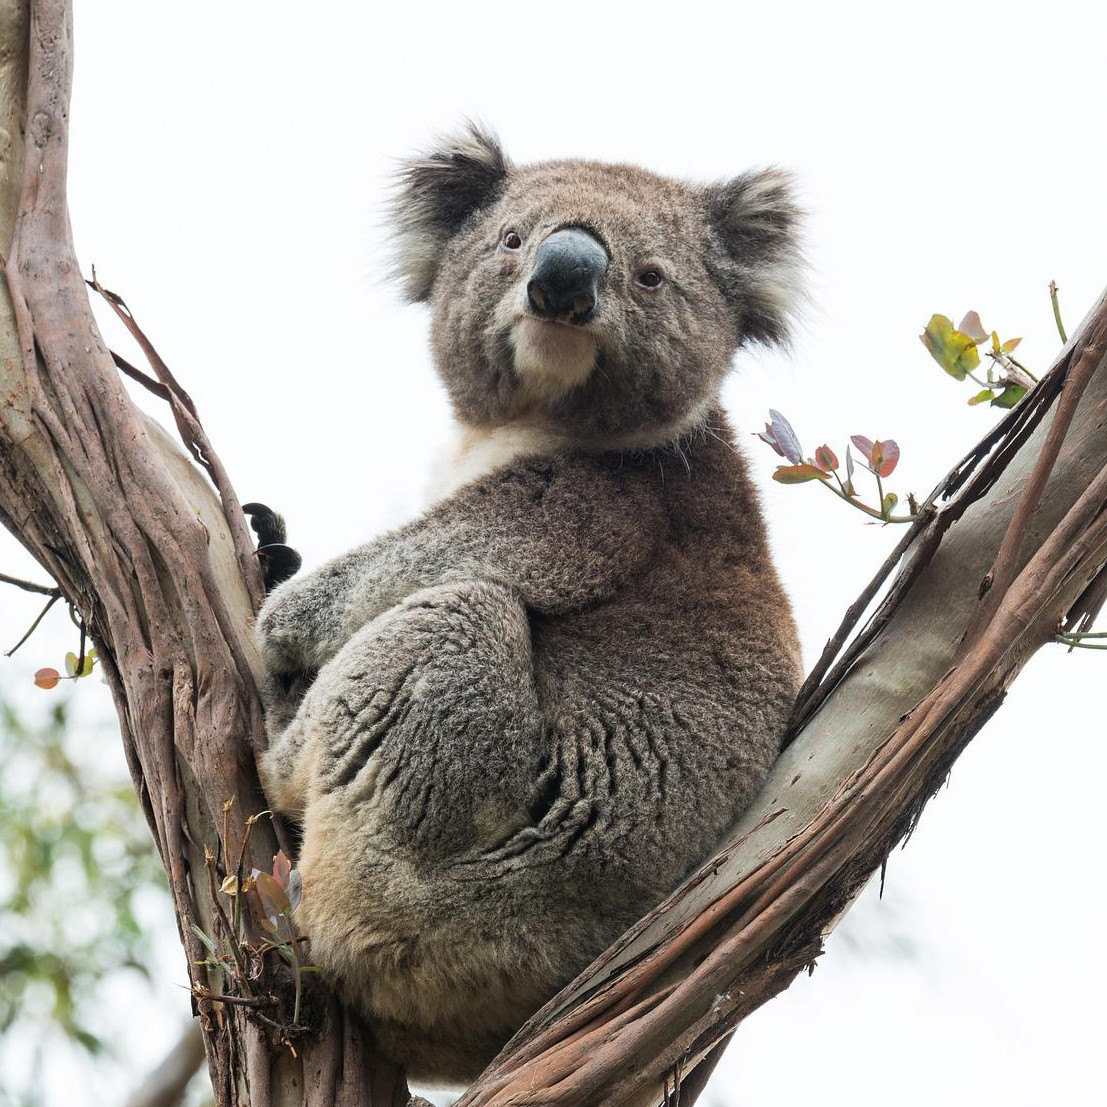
pixel 291 629
pixel 278 561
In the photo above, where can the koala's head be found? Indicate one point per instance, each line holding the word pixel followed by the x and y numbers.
pixel 599 301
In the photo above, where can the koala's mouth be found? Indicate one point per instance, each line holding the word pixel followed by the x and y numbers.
pixel 552 356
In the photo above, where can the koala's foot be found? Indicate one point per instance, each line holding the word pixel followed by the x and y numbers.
pixel 278 561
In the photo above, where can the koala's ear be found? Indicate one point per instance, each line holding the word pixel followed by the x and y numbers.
pixel 757 220
pixel 436 192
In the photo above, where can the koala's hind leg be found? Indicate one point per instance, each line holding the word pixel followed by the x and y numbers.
pixel 427 746
pixel 428 718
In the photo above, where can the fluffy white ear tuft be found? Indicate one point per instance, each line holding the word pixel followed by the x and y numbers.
pixel 757 221
pixel 435 193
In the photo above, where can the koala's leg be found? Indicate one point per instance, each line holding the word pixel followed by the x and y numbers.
pixel 426 723
pixel 429 717
pixel 421 746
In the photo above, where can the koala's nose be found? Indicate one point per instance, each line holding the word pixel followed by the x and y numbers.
pixel 568 269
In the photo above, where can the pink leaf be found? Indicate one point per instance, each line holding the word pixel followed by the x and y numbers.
pixel 786 438
pixel 274 901
pixel 864 446
pixel 826 459
pixel 767 436
pixel 889 457
pixel 281 868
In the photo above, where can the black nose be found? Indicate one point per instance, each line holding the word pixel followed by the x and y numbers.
pixel 568 269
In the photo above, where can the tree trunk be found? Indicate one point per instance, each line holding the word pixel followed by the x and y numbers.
pixel 161 570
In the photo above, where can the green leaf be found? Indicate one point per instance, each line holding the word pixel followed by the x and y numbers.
pixel 954 351
pixel 799 474
pixel 71 663
pixel 981 397
pixel 889 504
pixel 1010 344
pixel 205 939
pixel 1009 396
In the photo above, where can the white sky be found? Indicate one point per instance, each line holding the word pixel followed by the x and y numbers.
pixel 229 164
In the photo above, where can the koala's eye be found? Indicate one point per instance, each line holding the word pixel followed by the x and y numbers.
pixel 651 278
pixel 511 241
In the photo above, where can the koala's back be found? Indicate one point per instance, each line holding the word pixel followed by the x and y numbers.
pixel 497 790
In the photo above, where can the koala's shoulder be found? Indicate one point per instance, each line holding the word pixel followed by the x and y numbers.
pixel 565 490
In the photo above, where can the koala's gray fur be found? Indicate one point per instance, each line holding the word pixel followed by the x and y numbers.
pixel 511 726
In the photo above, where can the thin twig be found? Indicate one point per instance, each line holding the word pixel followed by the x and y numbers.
pixel 236 950
pixel 30 586
pixel 195 439
pixel 999 578
pixel 1057 311
pixel 238 1001
pixel 241 866
pixel 136 374
pixel 34 626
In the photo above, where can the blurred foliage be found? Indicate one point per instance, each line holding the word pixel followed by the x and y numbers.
pixel 76 858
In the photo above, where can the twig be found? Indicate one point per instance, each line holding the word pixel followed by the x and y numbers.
pixel 999 578
pixel 1057 311
pixel 34 626
pixel 236 951
pixel 240 868
pixel 30 586
pixel 136 374
pixel 193 436
pixel 238 1001
pixel 803 707
pixel 1078 643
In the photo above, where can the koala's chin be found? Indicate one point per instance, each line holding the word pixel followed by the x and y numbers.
pixel 552 357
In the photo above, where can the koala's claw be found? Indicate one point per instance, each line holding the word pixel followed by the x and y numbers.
pixel 278 561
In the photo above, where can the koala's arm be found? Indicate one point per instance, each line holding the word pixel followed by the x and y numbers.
pixel 562 532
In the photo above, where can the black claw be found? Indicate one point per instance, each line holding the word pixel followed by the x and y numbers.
pixel 267 524
pixel 278 561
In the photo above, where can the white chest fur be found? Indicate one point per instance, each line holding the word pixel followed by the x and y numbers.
pixel 476 452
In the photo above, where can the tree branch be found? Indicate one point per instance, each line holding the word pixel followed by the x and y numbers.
pixel 165 1086
pixel 158 566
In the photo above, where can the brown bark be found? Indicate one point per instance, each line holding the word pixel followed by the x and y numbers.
pixel 161 570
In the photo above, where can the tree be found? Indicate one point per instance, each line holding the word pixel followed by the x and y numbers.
pixel 163 575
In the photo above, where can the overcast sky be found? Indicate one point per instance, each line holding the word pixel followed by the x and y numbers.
pixel 229 167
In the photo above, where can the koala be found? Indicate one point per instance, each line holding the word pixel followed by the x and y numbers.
pixel 513 725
